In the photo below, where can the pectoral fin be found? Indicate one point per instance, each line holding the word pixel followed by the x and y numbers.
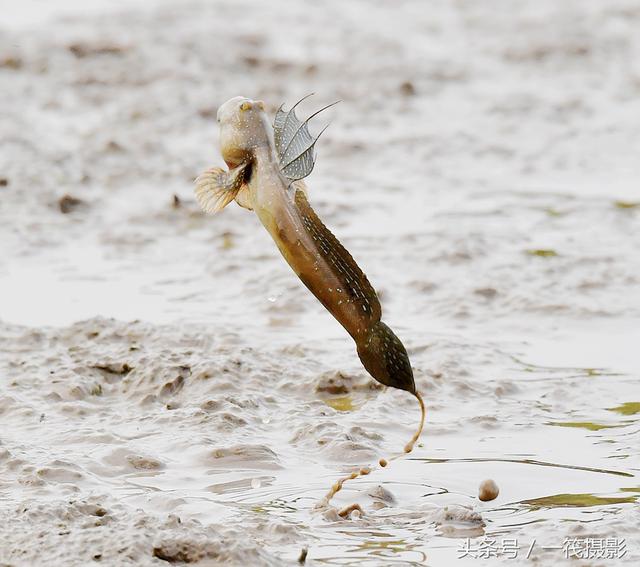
pixel 216 188
pixel 243 198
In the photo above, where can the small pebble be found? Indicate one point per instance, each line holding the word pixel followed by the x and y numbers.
pixel 383 462
pixel 488 490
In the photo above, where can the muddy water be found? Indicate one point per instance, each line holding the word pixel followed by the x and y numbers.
pixel 169 391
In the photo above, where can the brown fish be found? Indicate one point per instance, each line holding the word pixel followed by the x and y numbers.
pixel 266 168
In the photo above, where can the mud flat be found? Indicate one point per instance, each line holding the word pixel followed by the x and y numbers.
pixel 170 392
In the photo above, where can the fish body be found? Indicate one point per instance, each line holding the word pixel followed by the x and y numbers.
pixel 265 175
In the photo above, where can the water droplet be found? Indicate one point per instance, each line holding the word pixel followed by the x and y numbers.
pixel 255 483
pixel 272 299
pixel 266 420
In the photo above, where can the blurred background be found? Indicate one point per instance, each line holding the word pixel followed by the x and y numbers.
pixel 480 127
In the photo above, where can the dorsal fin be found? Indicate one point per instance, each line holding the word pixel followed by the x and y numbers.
pixel 294 143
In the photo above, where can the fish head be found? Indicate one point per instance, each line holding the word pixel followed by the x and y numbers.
pixel 244 127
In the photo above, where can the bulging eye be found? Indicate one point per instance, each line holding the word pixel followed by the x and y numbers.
pixel 246 105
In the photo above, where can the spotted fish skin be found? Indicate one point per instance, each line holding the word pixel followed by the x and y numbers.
pixel 354 288
pixel 325 267
pixel 379 349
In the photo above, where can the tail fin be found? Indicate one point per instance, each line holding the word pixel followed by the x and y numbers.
pixel 385 358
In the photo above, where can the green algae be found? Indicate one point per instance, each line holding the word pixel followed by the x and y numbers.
pixel 628 408
pixel 578 500
pixel 591 426
pixel 627 204
pixel 542 252
pixel 343 403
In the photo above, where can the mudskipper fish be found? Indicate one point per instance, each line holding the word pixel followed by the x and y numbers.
pixel 267 164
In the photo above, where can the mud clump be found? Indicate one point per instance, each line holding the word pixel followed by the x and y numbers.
pixel 172 387
pixel 407 88
pixel 67 204
pixel 180 552
pixel 82 50
pixel 381 494
pixel 337 383
pixel 117 368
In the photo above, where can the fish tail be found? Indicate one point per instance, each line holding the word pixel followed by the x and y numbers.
pixel 385 358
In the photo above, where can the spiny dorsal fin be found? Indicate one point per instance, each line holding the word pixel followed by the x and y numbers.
pixel 294 143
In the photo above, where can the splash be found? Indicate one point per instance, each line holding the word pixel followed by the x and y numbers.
pixel 337 486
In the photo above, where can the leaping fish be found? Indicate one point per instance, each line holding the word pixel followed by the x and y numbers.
pixel 266 170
